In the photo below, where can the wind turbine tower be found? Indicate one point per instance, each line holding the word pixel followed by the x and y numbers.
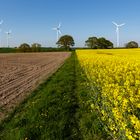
pixel 8 37
pixel 117 32
pixel 58 32
pixel 1 22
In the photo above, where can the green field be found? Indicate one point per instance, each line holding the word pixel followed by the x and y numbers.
pixel 43 49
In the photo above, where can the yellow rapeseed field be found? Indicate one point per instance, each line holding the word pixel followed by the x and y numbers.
pixel 114 78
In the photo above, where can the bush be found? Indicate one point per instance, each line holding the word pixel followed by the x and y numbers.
pixel 132 44
pixel 36 47
pixel 24 48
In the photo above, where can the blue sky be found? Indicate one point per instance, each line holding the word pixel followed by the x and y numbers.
pixel 33 20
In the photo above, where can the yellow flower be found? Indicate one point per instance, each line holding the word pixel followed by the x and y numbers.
pixel 115 87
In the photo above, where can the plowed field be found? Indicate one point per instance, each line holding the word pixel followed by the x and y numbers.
pixel 21 73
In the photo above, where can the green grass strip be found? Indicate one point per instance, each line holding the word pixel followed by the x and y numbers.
pixel 88 119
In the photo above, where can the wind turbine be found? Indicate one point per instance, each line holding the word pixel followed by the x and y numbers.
pixel 58 32
pixel 8 36
pixel 0 32
pixel 117 31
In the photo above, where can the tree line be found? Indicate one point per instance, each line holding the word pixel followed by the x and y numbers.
pixel 35 47
pixel 67 42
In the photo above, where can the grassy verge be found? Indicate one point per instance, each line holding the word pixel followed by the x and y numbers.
pixel 8 50
pixel 43 49
pixel 58 110
pixel 89 124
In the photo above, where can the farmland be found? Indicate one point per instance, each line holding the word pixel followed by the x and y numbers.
pixel 95 95
pixel 20 73
pixel 50 112
pixel 114 79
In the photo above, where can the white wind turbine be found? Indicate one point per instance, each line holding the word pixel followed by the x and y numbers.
pixel 117 32
pixel 58 32
pixel 1 22
pixel 8 37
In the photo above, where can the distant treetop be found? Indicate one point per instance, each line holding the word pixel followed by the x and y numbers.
pixel 98 43
pixel 66 42
pixel 132 44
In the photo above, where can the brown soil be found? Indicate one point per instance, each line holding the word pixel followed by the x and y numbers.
pixel 21 73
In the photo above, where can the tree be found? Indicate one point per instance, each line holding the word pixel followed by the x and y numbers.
pixel 36 47
pixel 104 43
pixel 66 42
pixel 92 42
pixel 24 47
pixel 99 43
pixel 132 44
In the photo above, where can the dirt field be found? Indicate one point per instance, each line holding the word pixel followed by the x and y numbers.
pixel 21 73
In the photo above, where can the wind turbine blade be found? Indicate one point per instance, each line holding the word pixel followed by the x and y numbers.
pixel 115 23
pixel 122 24
pixel 59 25
pixel 54 28
pixel 1 21
pixel 59 32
